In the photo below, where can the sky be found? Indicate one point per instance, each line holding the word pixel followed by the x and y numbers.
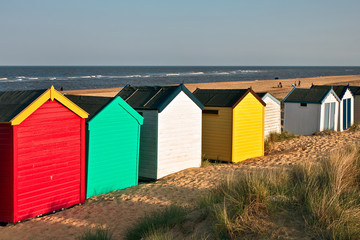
pixel 169 32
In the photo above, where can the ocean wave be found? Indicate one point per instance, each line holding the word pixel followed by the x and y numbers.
pixel 222 73
pixel 20 77
pixel 33 78
pixel 172 74
pixel 196 73
pixel 250 71
pixel 3 79
pixel 52 78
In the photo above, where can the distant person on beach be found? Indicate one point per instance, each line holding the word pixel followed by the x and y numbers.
pixel 299 83
pixel 61 89
pixel 295 83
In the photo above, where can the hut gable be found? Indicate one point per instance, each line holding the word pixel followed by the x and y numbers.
pixel 16 106
pixel 113 143
pixel 42 168
pixel 179 136
pixel 248 128
pixel 304 95
pixel 309 110
pixel 223 97
pixel 356 93
pixel 172 126
pixel 233 124
pixel 153 98
pixel 272 113
pixel 346 108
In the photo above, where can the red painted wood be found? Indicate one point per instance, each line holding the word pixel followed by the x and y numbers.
pixel 50 160
pixel 82 174
pixel 6 173
pixel 15 159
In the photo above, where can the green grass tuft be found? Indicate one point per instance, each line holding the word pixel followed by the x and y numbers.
pixel 96 234
pixel 157 223
pixel 322 199
pixel 277 137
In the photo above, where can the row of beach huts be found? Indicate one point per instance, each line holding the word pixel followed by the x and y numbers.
pixel 57 150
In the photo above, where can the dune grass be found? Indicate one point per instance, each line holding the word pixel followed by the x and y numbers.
pixel 156 224
pixel 277 137
pixel 96 234
pixel 324 196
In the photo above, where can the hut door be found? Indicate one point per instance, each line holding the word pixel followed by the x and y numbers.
pixel 326 116
pixel 329 116
pixel 332 116
pixel 346 113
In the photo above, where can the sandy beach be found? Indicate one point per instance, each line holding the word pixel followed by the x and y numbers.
pixel 257 86
pixel 120 209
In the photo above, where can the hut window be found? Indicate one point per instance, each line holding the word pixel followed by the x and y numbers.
pixel 207 111
pixel 303 104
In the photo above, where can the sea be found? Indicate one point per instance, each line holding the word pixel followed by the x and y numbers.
pixel 87 77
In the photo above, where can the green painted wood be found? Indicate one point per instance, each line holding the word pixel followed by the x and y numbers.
pixel 113 148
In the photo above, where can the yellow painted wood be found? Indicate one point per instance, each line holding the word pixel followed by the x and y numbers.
pixel 49 94
pixel 69 104
pixel 248 129
pixel 216 136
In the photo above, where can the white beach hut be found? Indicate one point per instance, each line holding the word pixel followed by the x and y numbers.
pixel 272 114
pixel 346 109
pixel 310 110
pixel 170 138
pixel 356 93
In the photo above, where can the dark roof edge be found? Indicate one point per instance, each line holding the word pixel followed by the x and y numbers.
pixel 180 88
pixel 327 93
pixel 132 112
pixel 246 93
pixel 285 98
pixel 98 111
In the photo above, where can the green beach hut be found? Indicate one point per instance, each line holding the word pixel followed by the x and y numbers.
pixel 113 137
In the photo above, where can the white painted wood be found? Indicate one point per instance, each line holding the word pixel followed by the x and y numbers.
pixel 301 120
pixel 179 136
pixel 272 116
pixel 148 144
pixel 330 98
pixel 347 95
pixel 305 120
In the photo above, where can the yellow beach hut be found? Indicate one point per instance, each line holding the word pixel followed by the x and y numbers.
pixel 233 124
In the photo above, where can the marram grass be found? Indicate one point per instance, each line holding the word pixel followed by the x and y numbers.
pixel 325 196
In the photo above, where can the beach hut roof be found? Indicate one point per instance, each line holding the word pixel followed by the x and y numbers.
pixel 16 106
pixel 262 95
pixel 339 90
pixel 355 90
pixel 90 104
pixel 94 105
pixel 154 97
pixel 223 97
pixel 13 102
pixel 305 95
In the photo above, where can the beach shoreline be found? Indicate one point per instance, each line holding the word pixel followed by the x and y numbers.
pixel 270 86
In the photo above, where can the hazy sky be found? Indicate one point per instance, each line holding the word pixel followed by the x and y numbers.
pixel 169 32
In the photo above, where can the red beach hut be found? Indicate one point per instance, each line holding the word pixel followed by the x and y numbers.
pixel 42 153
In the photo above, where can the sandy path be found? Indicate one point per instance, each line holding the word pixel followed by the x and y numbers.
pixel 118 210
pixel 258 86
